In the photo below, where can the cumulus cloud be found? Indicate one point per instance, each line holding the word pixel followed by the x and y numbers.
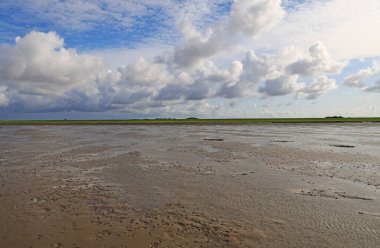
pixel 198 46
pixel 358 79
pixel 280 74
pixel 318 62
pixel 144 73
pixel 195 91
pixel 349 29
pixel 4 100
pixel 40 64
pixel 243 76
pixel 251 17
pixel 254 69
pixel 374 88
pixel 319 86
pixel 38 73
pixel 283 85
pixel 247 17
pixel 45 76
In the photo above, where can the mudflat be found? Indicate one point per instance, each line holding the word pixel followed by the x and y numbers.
pixel 284 185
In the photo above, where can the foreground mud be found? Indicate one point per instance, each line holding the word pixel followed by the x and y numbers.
pixel 189 186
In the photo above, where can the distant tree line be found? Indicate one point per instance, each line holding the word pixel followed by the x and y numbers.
pixel 330 117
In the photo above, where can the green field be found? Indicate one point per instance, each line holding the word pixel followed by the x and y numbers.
pixel 188 121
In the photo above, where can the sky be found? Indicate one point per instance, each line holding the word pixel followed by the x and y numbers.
pixel 118 59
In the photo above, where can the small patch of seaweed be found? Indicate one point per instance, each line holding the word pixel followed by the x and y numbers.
pixel 342 146
pixel 282 141
pixel 214 139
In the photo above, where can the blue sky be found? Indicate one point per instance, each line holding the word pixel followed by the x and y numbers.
pixel 178 58
pixel 107 27
pixel 84 35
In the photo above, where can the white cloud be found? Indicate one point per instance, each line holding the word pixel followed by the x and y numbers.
pixel 358 79
pixel 44 75
pixel 202 109
pixel 4 100
pixel 119 17
pixel 117 57
pixel 282 72
pixel 195 91
pixel 318 62
pixel 251 17
pixel 349 29
pixel 199 46
pixel 283 85
pixel 247 17
pixel 245 77
pixel 319 86
pixel 255 68
pixel 38 63
pixel 374 88
pixel 38 73
pixel 86 15
pixel 144 73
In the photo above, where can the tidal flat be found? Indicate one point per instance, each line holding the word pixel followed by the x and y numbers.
pixel 272 185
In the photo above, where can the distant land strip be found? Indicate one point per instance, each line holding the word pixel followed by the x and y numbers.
pixel 193 121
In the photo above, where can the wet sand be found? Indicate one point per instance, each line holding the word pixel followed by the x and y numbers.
pixel 312 185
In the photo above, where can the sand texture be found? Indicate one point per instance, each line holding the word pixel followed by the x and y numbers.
pixel 305 185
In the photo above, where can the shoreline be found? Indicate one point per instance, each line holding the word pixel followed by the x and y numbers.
pixel 196 122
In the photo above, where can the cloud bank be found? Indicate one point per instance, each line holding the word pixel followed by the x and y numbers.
pixel 39 74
